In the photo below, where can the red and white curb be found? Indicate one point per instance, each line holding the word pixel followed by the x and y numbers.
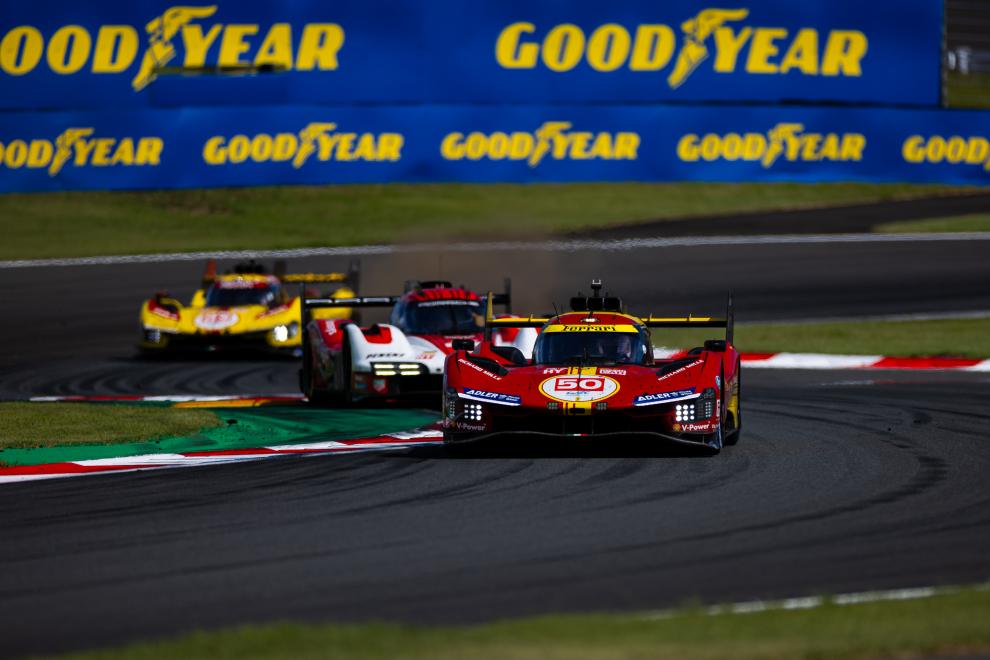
pixel 389 442
pixel 826 361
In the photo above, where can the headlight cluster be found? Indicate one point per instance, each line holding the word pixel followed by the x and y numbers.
pixel 396 369
pixel 472 411
pixel 684 412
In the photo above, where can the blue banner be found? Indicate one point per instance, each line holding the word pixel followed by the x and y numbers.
pixel 103 54
pixel 211 147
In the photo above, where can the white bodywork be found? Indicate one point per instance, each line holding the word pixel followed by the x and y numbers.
pixel 413 349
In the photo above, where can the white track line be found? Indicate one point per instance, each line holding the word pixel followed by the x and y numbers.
pixel 505 246
pixel 811 602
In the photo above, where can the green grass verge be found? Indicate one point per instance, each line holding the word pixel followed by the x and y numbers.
pixel 947 623
pixel 951 337
pixel 25 425
pixel 975 222
pixel 97 223
pixel 972 91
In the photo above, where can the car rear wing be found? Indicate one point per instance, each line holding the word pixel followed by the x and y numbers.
pixel 351 277
pixel 727 322
pixel 309 304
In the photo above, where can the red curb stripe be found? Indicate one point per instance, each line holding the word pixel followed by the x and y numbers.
pixel 923 363
pixel 754 357
pixel 63 468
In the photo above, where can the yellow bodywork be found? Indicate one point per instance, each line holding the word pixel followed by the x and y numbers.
pixel 166 321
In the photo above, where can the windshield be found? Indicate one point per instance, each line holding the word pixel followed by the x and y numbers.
pixel 442 317
pixel 589 348
pixel 231 297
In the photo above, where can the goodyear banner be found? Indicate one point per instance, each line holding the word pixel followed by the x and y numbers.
pixel 211 147
pixel 106 54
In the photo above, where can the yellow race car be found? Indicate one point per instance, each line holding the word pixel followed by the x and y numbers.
pixel 246 307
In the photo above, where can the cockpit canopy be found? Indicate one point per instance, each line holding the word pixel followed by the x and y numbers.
pixel 439 317
pixel 228 294
pixel 591 347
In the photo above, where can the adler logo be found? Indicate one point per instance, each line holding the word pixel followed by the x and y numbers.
pixel 321 140
pixel 721 36
pixel 183 37
pixel 553 139
pixel 788 141
pixel 81 147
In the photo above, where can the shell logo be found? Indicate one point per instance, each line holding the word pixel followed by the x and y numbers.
pixel 578 389
pixel 215 319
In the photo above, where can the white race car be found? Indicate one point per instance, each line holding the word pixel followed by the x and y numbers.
pixel 344 362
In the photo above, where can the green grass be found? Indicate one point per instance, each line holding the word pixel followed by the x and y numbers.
pixel 951 337
pixel 24 425
pixel 972 91
pixel 71 224
pixel 975 222
pixel 948 623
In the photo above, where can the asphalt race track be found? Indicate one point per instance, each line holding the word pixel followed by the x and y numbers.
pixel 843 481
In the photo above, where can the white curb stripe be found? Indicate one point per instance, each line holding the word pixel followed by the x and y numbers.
pixel 814 361
pixel 811 602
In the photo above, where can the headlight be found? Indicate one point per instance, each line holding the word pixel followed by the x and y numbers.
pixel 472 412
pixel 684 412
pixel 396 369
pixel 282 333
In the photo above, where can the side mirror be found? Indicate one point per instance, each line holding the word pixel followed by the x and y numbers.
pixel 462 344
pixel 715 345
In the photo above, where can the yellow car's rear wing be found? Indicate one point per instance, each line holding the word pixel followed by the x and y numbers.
pixel 351 277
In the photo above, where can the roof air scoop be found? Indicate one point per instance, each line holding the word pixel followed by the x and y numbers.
pixel 596 302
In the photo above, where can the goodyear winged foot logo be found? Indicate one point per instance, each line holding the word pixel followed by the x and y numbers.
pixel 722 35
pixel 81 146
pixel 161 31
pixel 184 38
pixel 553 139
pixel 789 141
pixel 321 140
pixel 697 30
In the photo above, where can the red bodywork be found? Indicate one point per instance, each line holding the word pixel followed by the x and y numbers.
pixel 490 396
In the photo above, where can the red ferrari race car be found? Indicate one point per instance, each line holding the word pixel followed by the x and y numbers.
pixel 593 374
pixel 344 362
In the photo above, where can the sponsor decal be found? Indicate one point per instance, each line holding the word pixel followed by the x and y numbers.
pixel 579 389
pixel 383 355
pixel 241 283
pixel 329 327
pixel 428 355
pixel 212 319
pixel 787 140
pixel 469 427
pixel 590 328
pixel 606 371
pixel 472 365
pixel 677 372
pixel 443 303
pixel 697 427
pixel 727 38
pixel 552 139
pixel 79 146
pixel 491 397
pixel 955 150
pixel 665 397
pixel 556 370
pixel 180 38
pixel 319 139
